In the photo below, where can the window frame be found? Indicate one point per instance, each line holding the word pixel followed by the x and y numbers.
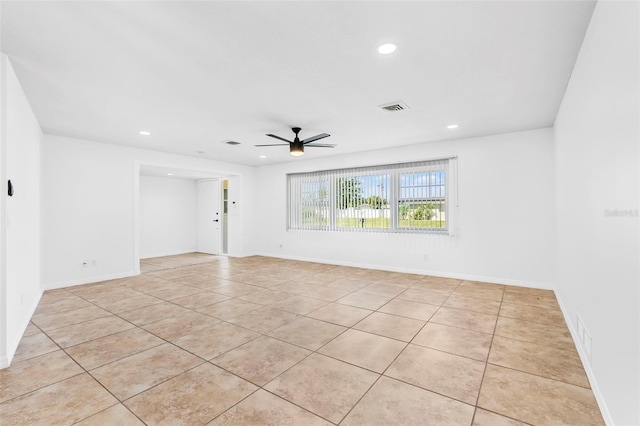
pixel 294 220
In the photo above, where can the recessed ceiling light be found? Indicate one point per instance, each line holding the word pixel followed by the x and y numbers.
pixel 452 126
pixel 386 48
pixel 169 174
pixel 144 133
pixel 263 156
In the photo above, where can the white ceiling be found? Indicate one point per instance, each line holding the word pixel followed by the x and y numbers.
pixel 197 74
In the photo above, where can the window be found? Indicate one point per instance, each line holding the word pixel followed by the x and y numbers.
pixel 407 197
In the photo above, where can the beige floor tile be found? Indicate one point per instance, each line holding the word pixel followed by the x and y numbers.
pixel 487 418
pixel 89 330
pixel 541 334
pixel 441 365
pixel 175 327
pixel 382 289
pixel 153 313
pixel 200 299
pixel 34 345
pixel 64 402
pixel 329 294
pixel 542 361
pixel 208 283
pixel 96 353
pixel 398 278
pixel 237 289
pixel 532 313
pixel 31 329
pixel 137 373
pixel 423 296
pixel 440 372
pixel 67 303
pixel 536 400
pixel 406 308
pixel 476 321
pixel 228 309
pixel 475 304
pixel 393 326
pixel 216 340
pixel 109 295
pixel 365 350
pixel 264 319
pixel 529 290
pixel 492 291
pixel 265 296
pixel 324 386
pixel 307 332
pixel 35 373
pixel 546 302
pixel 261 360
pixel 339 314
pixel 264 408
pixel 299 304
pixel 347 284
pixel 360 299
pixel 174 292
pixel 458 341
pixel 117 415
pixel 192 398
pixel 62 319
pixel 129 303
pixel 390 402
pixel 50 296
pixel 437 285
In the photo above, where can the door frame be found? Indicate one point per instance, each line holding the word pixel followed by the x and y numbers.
pixel 204 174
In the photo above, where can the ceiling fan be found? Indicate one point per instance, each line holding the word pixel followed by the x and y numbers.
pixel 296 147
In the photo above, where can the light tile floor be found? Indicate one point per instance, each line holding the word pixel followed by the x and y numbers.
pixel 199 339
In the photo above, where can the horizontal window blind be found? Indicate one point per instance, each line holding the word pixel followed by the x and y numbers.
pixel 405 197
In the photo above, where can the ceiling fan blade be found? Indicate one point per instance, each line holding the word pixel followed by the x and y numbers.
pixel 275 144
pixel 315 138
pixel 321 145
pixel 278 137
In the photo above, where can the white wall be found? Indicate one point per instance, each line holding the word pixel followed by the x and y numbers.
pixel 597 152
pixel 505 218
pixel 168 216
pixel 89 203
pixel 20 161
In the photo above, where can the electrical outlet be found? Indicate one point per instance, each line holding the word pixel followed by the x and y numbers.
pixel 85 263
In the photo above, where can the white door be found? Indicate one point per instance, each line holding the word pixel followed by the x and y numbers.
pixel 209 216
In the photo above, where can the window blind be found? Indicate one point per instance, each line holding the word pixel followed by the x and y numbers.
pixel 405 197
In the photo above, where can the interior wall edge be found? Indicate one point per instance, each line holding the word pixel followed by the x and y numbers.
pixel 5 361
pixel 442 274
pixel 586 364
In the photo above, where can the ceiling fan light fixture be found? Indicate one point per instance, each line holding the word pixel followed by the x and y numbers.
pixel 296 149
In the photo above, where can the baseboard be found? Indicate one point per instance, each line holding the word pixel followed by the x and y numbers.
pixel 89 280
pixel 586 363
pixel 168 253
pixel 4 362
pixel 443 274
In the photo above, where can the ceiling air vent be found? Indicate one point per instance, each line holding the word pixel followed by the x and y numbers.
pixel 232 143
pixel 394 106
